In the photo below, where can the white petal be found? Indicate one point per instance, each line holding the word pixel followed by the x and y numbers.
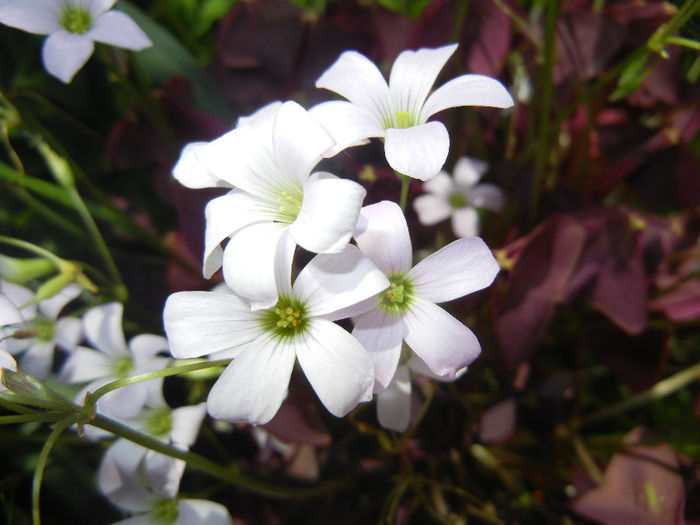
pixel 465 222
pixel 413 75
pixel 418 366
pixel 445 344
pixel 97 7
pixel 85 364
pixel 19 296
pixel 117 477
pixel 357 79
pixel 163 473
pixel 191 172
pixel 103 328
pixel 348 124
pixel 186 423
pixel 34 16
pixel 460 268
pixel 65 53
pixel 487 196
pixel 37 360
pixel 200 323
pixel 145 347
pixel 328 213
pixel 118 29
pixel 468 171
pixel 52 306
pixel 299 141
pixel 7 361
pixel 394 404
pixel 418 152
pixel 69 331
pixel 337 366
pixel 467 90
pixel 201 512
pixel 253 259
pixel 9 314
pixel 431 209
pixel 330 282
pixel 253 386
pixel 441 184
pixel 263 119
pixel 382 336
pixel 382 235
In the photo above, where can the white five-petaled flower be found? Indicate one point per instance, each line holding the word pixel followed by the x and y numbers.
pixel 458 198
pixel 406 311
pixel 9 314
pixel 73 27
pixel 276 202
pixel 399 112
pixel 266 343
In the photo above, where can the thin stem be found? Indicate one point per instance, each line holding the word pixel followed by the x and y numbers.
pixel 586 460
pixel 19 243
pixel 685 42
pixel 29 418
pixel 405 183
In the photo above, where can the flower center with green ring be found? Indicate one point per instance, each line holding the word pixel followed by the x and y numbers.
pixel 165 511
pixel 159 422
pixel 290 204
pixel 458 200
pixel 123 366
pixel 76 19
pixel 404 119
pixel 286 319
pixel 398 297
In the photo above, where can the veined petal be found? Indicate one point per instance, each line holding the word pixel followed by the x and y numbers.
pixel 298 141
pixel 328 213
pixel 52 306
pixel 431 209
pixel 440 340
pixel 41 17
pixel 356 78
pixel 191 172
pixel 417 366
pixel 467 90
pixel 331 282
pixel 382 235
pixel 460 268
pixel 253 386
pixel 487 196
pixel 468 171
pixel 337 366
pixel 201 323
pixel 103 328
pixel 252 260
pixel 465 222
pixel 413 75
pixel 382 336
pixel 348 124
pixel 118 29
pixel 199 511
pixel 394 404
pixel 186 423
pixel 418 152
pixel 64 53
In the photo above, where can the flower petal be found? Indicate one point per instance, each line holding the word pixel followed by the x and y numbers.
pixel 330 282
pixel 442 184
pixel 445 344
pixel 118 29
pixel 328 213
pixel 69 331
pixel 382 336
pixel 6 361
pixel 348 124
pixel 9 314
pixel 418 152
pixel 431 209
pixel 117 476
pixel 465 222
pixel 191 172
pixel 19 296
pixel 460 268
pixel 145 347
pixel 487 196
pixel 253 386
pixel 201 323
pixel 467 90
pixel 196 511
pixel 41 17
pixel 394 404
pixel 38 359
pixel 186 423
pixel 97 7
pixel 468 171
pixel 103 328
pixel 52 306
pixel 64 54
pixel 85 364
pixel 337 366
pixel 382 235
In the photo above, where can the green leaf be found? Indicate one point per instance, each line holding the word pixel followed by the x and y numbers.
pixel 631 78
pixel 412 8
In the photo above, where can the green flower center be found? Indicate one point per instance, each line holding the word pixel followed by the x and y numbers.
pixel 165 511
pixel 404 119
pixel 123 366
pixel 290 204
pixel 286 319
pixel 159 422
pixel 76 19
pixel 398 297
pixel 45 328
pixel 458 200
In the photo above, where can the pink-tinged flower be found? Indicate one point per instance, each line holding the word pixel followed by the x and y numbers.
pixel 399 112
pixel 458 198
pixel 277 202
pixel 406 311
pixel 73 27
pixel 266 343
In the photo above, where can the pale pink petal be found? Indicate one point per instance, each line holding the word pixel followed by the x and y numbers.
pixel 348 124
pixel 52 306
pixel 337 366
pixel 65 53
pixel 468 171
pixel 441 184
pixel 465 222
pixel 382 235
pixel 460 268
pixel 201 512
pixel 328 213
pixel 487 196
pixel 41 17
pixel 118 29
pixel 103 329
pixel 467 90
pixel 191 172
pixel 186 423
pixel 418 152
pixel 431 209
pixel 445 344
pixel 253 386
pixel 382 336
pixel 394 404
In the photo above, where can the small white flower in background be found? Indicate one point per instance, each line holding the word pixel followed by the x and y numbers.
pixel 406 311
pixel 73 27
pixel 266 343
pixel 458 198
pixel 40 331
pixel 277 202
pixel 9 314
pixel 399 112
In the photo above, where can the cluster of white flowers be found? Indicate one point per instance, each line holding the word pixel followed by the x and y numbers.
pixel 266 322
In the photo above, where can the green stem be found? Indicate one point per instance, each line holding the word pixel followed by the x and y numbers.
pixel 29 418
pixel 685 42
pixel 27 246
pixel 405 183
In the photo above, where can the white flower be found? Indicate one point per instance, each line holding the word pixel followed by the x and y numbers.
pixel 406 311
pixel 399 112
pixel 458 198
pixel 277 202
pixel 39 331
pixel 73 27
pixel 9 314
pixel 266 343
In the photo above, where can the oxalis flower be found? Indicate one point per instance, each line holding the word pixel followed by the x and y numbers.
pixel 266 343
pixel 406 311
pixel 268 159
pixel 73 27
pixel 399 112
